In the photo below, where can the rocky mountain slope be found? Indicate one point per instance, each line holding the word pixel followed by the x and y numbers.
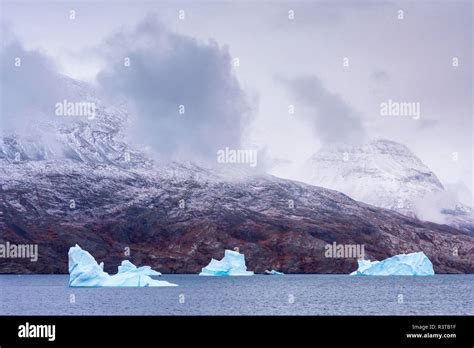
pixel 95 190
pixel 143 210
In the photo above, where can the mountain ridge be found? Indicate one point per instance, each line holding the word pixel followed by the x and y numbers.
pixel 385 174
pixel 175 217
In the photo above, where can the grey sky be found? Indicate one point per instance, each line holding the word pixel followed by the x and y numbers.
pixel 403 60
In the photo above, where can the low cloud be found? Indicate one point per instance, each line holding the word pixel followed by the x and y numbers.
pixel 430 207
pixel 27 90
pixel 334 121
pixel 30 88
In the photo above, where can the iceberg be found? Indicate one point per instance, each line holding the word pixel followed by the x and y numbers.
pixel 414 264
pixel 273 272
pixel 233 264
pixel 85 272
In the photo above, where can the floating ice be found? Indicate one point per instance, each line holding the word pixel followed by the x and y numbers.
pixel 85 272
pixel 273 272
pixel 405 264
pixel 233 264
pixel 127 266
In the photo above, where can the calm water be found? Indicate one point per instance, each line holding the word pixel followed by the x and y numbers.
pixel 257 295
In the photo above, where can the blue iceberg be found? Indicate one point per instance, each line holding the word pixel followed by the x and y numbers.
pixel 85 272
pixel 414 264
pixel 233 264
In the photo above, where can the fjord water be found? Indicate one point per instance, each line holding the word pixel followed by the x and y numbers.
pixel 255 295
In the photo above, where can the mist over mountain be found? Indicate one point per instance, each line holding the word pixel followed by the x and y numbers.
pixel 140 169
pixel 387 174
pixel 176 216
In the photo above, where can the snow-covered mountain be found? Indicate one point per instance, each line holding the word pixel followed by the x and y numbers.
pixel 386 174
pixel 383 173
pixel 177 216
pixel 98 140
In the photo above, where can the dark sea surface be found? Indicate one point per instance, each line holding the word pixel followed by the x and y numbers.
pixel 254 295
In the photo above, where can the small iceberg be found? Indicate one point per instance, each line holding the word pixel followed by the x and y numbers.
pixel 273 272
pixel 85 272
pixel 233 264
pixel 414 264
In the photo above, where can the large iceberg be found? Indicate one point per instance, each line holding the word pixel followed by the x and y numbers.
pixel 85 272
pixel 233 264
pixel 414 264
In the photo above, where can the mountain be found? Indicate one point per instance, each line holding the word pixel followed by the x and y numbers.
pixel 386 174
pixel 98 140
pixel 90 187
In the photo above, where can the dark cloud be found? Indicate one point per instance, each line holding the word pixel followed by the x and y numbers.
pixel 30 88
pixel 168 70
pixel 334 121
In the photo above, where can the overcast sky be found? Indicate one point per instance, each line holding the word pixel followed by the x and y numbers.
pixel 283 62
